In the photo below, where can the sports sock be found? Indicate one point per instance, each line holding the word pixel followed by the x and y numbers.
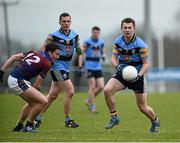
pixel 88 99
pixel 154 119
pixel 67 118
pixel 38 117
pixel 19 123
pixel 114 113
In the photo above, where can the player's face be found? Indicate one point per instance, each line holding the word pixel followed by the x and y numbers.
pixel 54 55
pixel 95 34
pixel 65 23
pixel 128 30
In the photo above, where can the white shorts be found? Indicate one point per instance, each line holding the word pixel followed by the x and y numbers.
pixel 17 85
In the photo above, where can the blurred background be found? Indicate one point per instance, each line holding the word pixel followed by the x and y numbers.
pixel 25 24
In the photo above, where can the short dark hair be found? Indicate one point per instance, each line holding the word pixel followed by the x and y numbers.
pixel 96 28
pixel 64 15
pixel 51 47
pixel 128 20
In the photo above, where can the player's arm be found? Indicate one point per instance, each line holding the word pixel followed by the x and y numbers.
pixel 9 62
pixel 103 53
pixel 80 61
pixel 48 40
pixel 114 60
pixel 81 57
pixel 114 56
pixel 38 82
pixel 79 50
pixel 42 48
pixel 144 57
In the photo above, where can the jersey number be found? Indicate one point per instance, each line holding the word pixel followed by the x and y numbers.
pixel 29 59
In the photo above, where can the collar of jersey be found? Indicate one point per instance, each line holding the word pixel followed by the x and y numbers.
pixel 95 40
pixel 46 55
pixel 61 31
pixel 132 39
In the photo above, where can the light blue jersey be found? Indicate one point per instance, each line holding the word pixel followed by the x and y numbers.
pixel 66 44
pixel 93 53
pixel 132 53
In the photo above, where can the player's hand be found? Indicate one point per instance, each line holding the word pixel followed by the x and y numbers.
pixel 80 72
pixel 119 68
pixel 38 88
pixel 78 51
pixel 103 58
pixel 137 78
pixel 1 75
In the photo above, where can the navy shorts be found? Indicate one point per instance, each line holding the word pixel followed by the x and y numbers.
pixel 60 75
pixel 94 73
pixel 137 87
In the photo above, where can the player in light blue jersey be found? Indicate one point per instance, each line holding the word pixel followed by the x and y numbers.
pixel 68 42
pixel 94 51
pixel 129 49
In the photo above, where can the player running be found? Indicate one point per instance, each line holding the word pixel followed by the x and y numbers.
pixel 129 49
pixel 67 41
pixel 93 51
pixel 31 64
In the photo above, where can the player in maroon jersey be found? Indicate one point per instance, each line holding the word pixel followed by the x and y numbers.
pixel 32 64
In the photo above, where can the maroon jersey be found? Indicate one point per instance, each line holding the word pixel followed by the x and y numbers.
pixel 33 64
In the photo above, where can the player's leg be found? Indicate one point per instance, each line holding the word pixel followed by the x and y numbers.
pixel 54 91
pixel 143 107
pixel 91 86
pixel 141 99
pixel 33 97
pixel 56 87
pixel 24 113
pixel 99 85
pixel 23 116
pixel 68 89
pixel 91 89
pixel 36 101
pixel 90 101
pixel 99 82
pixel 110 89
pixel 69 92
pixel 95 85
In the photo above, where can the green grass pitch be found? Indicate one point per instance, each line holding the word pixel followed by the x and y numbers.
pixel 133 126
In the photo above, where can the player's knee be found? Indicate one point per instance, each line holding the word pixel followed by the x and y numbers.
pixel 70 93
pixel 41 103
pixel 52 97
pixel 107 91
pixel 44 101
pixel 92 87
pixel 101 87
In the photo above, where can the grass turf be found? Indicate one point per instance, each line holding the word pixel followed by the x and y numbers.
pixel 134 126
